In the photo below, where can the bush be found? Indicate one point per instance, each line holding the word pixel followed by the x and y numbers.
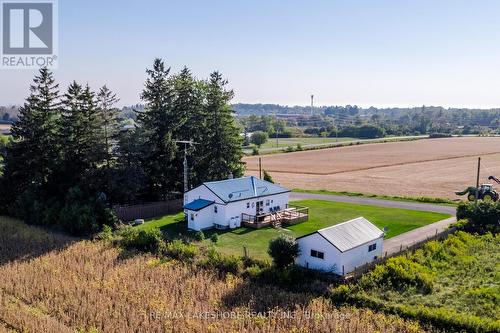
pixel 199 236
pixel 225 264
pixel 142 240
pixel 180 251
pixel 258 138
pixel 400 273
pixel 483 217
pixel 439 135
pixel 299 147
pixel 255 151
pixel 267 177
pixel 283 249
pixel 214 238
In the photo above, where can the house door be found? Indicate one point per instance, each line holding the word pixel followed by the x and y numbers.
pixel 257 206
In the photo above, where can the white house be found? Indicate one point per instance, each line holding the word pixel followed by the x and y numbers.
pixel 341 248
pixel 221 204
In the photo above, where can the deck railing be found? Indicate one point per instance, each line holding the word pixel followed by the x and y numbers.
pixel 291 215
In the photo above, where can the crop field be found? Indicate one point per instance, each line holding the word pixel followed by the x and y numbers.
pixel 4 128
pixel 430 167
pixel 54 283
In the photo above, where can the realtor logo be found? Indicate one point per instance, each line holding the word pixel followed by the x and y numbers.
pixel 29 34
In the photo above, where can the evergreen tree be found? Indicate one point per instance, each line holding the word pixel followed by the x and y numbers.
pixel 156 124
pixel 223 144
pixel 82 140
pixel 31 156
pixel 189 115
pixel 106 100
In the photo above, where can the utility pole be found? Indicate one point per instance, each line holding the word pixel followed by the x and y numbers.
pixel 312 104
pixel 260 167
pixel 185 163
pixel 477 179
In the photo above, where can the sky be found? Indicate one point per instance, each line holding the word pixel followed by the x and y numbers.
pixel 368 53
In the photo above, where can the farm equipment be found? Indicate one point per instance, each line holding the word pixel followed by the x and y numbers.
pixel 485 192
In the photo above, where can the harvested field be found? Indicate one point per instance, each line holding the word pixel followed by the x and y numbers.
pixel 72 285
pixel 4 128
pixel 432 167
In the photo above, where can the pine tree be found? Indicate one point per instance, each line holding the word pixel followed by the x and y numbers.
pixel 31 158
pixel 106 100
pixel 189 115
pixel 223 144
pixel 82 140
pixel 156 124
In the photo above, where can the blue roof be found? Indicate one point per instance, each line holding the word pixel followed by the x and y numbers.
pixel 198 204
pixel 243 188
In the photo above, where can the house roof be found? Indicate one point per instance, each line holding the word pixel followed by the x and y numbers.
pixel 198 204
pixel 350 234
pixel 236 189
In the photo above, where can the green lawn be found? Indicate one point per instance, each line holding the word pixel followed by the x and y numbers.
pixel 321 214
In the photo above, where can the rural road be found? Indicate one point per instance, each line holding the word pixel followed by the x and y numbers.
pixel 393 244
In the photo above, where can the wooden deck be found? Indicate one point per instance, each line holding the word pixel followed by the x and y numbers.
pixel 289 216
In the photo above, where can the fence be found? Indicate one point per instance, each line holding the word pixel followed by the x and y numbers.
pixel 359 271
pixel 148 210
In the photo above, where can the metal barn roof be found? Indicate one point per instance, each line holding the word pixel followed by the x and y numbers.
pixel 243 188
pixel 350 234
pixel 198 204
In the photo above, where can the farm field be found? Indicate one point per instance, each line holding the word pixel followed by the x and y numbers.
pixel 54 283
pixel 430 167
pixel 321 214
pixel 4 128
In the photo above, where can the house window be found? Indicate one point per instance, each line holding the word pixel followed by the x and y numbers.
pixel 248 204
pixel 215 209
pixel 317 254
pixel 267 202
pixel 272 200
pixel 192 216
pixel 372 247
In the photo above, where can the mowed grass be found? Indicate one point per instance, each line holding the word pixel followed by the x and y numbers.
pixel 322 214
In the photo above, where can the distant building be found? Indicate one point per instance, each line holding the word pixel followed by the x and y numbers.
pixel 224 204
pixel 341 248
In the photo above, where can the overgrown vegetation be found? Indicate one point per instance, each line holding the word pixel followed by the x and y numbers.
pixel 452 284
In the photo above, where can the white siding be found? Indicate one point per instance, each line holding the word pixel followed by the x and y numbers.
pixel 344 262
pixel 332 256
pixel 200 192
pixel 359 255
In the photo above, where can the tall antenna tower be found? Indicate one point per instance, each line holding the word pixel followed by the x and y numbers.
pixel 312 104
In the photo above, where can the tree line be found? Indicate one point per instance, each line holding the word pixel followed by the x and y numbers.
pixel 70 157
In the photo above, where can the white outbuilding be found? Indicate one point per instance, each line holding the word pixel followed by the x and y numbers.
pixel 223 204
pixel 341 248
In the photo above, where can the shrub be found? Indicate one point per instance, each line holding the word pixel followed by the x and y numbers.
pixel 483 217
pixel 214 238
pixel 255 151
pixel 283 249
pixel 199 236
pixel 258 138
pixel 106 233
pixel 267 177
pixel 180 251
pixel 225 264
pixel 143 240
pixel 439 135
pixel 299 147
pixel 400 273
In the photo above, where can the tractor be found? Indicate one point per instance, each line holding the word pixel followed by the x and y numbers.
pixel 485 192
